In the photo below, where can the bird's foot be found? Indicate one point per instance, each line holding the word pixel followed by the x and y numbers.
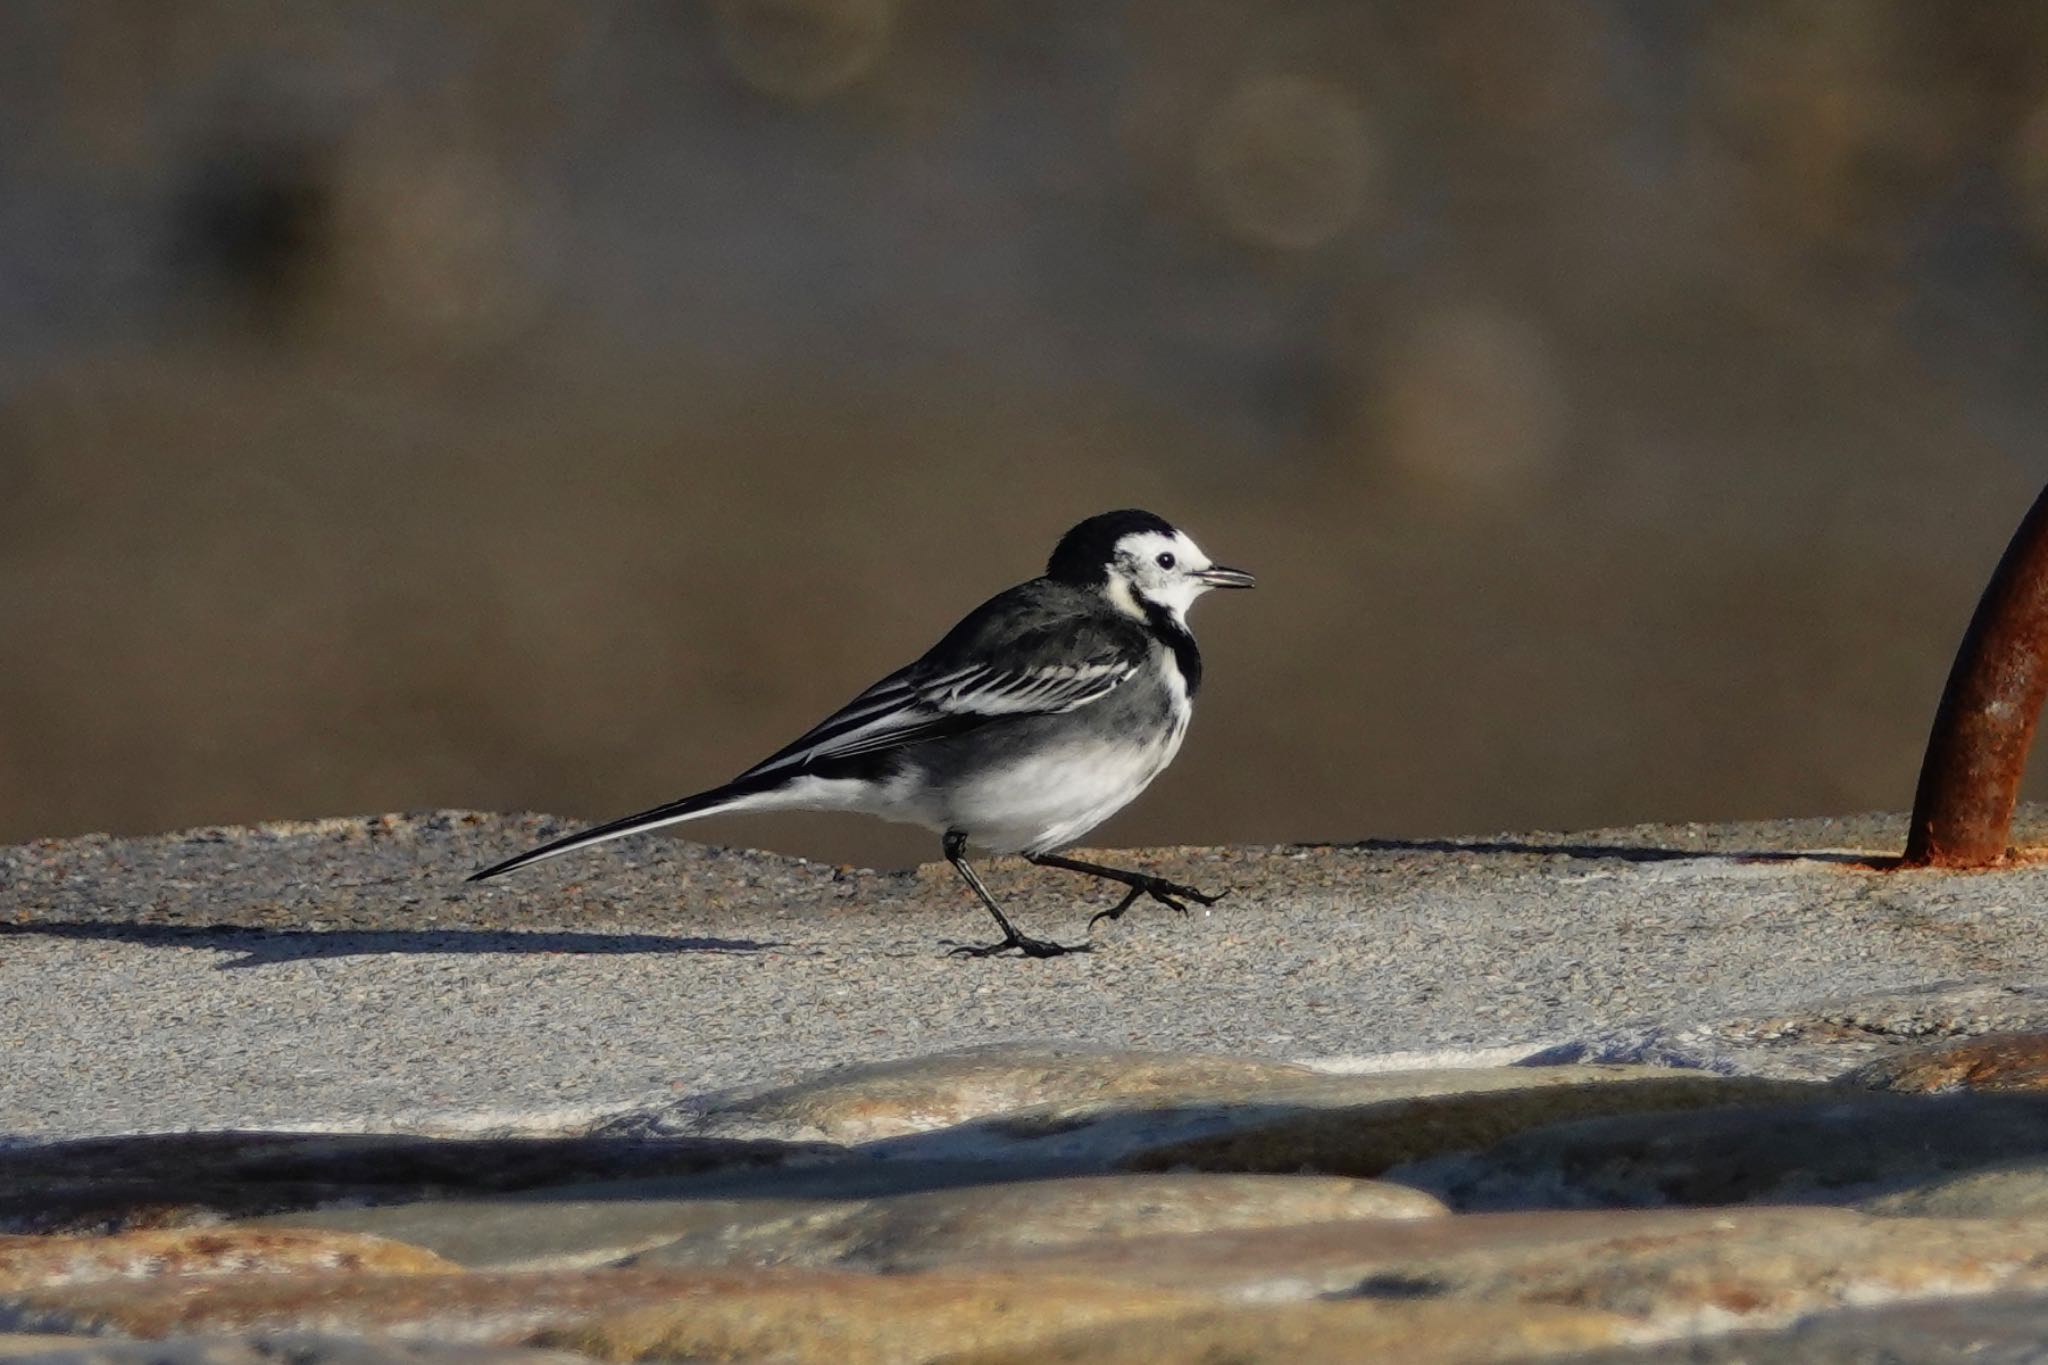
pixel 1170 894
pixel 1028 947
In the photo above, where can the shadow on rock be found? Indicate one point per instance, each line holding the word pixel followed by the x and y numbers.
pixel 271 947
pixel 1628 853
pixel 165 1180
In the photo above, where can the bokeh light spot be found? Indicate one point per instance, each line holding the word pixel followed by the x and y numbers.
pixel 1471 403
pixel 2029 173
pixel 440 242
pixel 803 50
pixel 1285 162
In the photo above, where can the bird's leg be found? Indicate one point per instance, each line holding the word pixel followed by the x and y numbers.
pixel 955 846
pixel 1170 894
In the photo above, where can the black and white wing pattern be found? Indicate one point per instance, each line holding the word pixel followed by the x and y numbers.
pixel 1036 667
pixel 1039 649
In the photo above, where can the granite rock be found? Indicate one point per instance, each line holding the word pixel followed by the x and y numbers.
pixel 1384 1332
pixel 863 1103
pixel 1672 1271
pixel 579 1127
pixel 1089 1109
pixel 585 1226
pixel 1993 1330
pixel 476 1307
pixel 1993 1061
pixel 579 1228
pixel 1824 1039
pixel 1689 1270
pixel 37 1262
pixel 932 1230
pixel 173 1179
pixel 860 1320
pixel 275 1348
pixel 1372 1139
pixel 1852 1145
pixel 14 1345
pixel 2010 1189
pixel 661 972
pixel 1095 1134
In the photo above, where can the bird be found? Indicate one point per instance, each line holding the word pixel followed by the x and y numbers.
pixel 1043 712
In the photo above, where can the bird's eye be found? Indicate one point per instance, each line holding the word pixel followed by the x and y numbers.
pixel 1165 560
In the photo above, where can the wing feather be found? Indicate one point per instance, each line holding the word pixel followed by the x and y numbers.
pixel 1041 648
pixel 904 708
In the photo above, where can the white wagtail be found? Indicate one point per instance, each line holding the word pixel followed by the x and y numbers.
pixel 1039 716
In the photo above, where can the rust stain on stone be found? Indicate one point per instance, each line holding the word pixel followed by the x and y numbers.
pixel 1997 1061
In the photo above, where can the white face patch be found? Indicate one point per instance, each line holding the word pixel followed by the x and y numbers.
pixel 1152 566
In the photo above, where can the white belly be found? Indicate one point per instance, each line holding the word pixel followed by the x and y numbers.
pixel 1035 802
pixel 1050 799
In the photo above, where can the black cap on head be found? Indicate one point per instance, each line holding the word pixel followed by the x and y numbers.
pixel 1082 556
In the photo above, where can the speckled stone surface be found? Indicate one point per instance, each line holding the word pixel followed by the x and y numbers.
pixel 341 972
pixel 1663 1091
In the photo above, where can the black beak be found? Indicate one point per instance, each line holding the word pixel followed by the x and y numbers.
pixel 1216 576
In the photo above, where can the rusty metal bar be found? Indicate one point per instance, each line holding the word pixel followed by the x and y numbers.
pixel 1970 779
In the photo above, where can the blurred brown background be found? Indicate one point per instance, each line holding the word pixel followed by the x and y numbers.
pixel 536 404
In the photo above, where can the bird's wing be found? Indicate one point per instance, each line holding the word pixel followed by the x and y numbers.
pixel 1038 649
pixel 920 702
pixel 1042 669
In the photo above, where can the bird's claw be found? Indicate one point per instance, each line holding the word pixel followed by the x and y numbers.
pixel 1028 947
pixel 1169 894
pixel 1115 912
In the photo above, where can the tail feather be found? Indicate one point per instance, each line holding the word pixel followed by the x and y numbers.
pixel 674 812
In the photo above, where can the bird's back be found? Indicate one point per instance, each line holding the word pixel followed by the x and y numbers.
pixel 1044 620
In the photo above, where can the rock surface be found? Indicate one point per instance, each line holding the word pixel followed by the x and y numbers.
pixel 37 1262
pixel 991 1207
pixel 1996 1061
pixel 1833 1150
pixel 1996 1330
pixel 869 1321
pixel 1368 1140
pixel 165 1180
pixel 929 1231
pixel 1998 1190
pixel 266 1348
pixel 1385 1332
pixel 1649 1095
pixel 1836 1036
pixel 251 961
pixel 1671 1270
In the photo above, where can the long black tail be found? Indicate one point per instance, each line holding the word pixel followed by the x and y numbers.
pixel 732 795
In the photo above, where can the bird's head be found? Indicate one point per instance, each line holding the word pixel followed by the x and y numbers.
pixel 1136 560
